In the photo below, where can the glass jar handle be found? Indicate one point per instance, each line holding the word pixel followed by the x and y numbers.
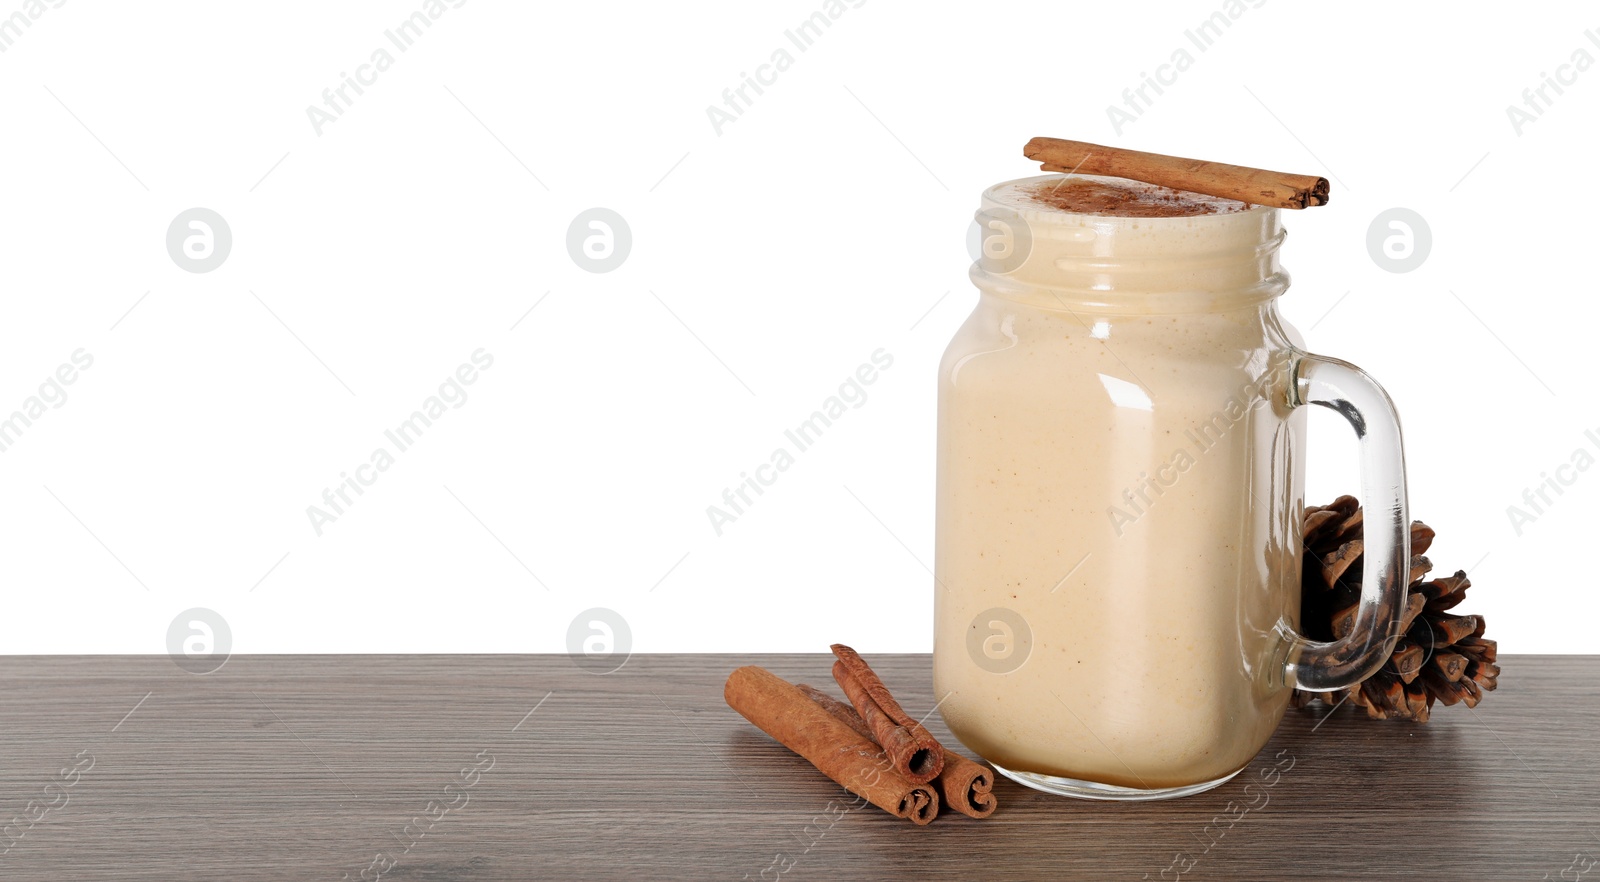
pixel 1386 528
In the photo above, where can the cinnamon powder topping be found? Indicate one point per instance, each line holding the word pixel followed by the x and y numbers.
pixel 1126 199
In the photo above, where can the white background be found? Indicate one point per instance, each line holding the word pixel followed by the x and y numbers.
pixel 768 261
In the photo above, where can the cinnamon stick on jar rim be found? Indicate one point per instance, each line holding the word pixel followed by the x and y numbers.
pixel 968 787
pixel 912 748
pixel 1254 185
pixel 851 759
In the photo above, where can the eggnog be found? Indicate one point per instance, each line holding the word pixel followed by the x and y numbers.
pixel 1118 491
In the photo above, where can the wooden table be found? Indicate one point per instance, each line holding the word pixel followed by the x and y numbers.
pixel 310 767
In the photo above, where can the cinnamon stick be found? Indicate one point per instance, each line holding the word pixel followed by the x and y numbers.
pixel 967 786
pixel 912 748
pixel 1254 185
pixel 780 709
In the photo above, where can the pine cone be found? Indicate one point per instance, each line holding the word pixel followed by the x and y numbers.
pixel 1441 656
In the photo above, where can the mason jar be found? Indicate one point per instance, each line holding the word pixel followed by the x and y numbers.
pixel 1120 491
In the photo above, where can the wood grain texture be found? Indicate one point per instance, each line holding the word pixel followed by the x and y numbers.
pixel 307 767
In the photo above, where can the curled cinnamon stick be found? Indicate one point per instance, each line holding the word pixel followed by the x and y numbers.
pixel 912 748
pixel 780 709
pixel 968 787
pixel 1254 185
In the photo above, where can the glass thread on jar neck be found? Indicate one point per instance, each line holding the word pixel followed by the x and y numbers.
pixel 1037 253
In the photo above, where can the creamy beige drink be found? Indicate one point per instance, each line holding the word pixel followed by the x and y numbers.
pixel 1118 492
